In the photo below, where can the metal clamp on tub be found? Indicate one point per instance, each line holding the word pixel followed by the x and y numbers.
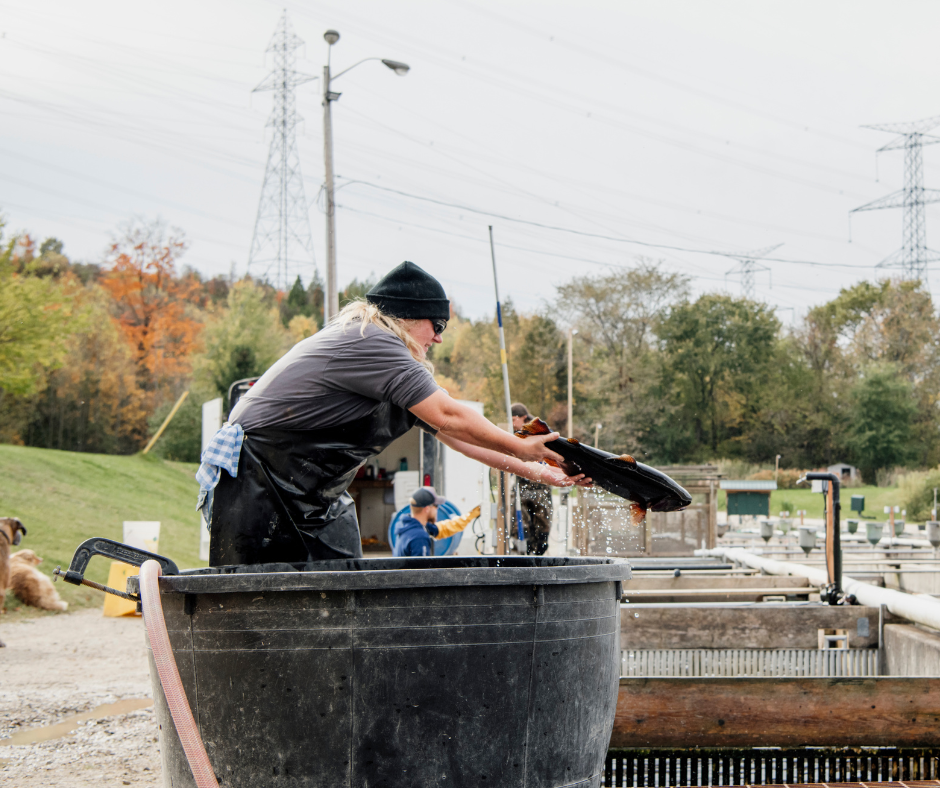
pixel 116 551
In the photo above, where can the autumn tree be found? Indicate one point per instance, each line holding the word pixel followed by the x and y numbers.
pixel 154 308
pixel 93 402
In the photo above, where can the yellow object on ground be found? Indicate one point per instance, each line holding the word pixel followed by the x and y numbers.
pixel 450 527
pixel 114 606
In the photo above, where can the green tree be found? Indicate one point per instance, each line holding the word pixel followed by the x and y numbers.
pixel 874 324
pixel 617 363
pixel 182 439
pixel 356 290
pixel 719 353
pixel 883 414
pixel 241 340
pixel 299 301
pixel 316 298
pixel 34 315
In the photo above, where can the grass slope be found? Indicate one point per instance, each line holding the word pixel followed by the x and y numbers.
pixel 64 498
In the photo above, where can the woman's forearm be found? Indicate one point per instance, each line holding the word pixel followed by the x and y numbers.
pixel 455 420
pixel 494 459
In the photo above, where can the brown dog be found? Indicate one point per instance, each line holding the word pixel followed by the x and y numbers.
pixel 12 532
pixel 31 586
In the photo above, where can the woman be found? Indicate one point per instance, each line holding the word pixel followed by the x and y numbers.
pixel 294 442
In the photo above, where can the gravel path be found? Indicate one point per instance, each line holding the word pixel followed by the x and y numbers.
pixel 61 666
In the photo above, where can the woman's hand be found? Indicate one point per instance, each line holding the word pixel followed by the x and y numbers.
pixel 558 478
pixel 532 448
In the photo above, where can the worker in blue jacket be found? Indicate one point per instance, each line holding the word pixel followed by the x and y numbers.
pixel 416 533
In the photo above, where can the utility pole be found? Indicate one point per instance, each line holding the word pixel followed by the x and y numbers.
pixel 282 245
pixel 748 266
pixel 331 302
pixel 913 256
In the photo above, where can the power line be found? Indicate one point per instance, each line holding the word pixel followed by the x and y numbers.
pixel 558 255
pixel 586 234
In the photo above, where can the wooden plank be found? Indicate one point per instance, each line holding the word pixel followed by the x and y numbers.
pixel 716 595
pixel 788 626
pixel 641 594
pixel 710 581
pixel 777 712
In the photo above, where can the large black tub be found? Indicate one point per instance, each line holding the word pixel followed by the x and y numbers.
pixel 489 671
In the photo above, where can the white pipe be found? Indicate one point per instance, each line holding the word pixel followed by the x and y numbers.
pixel 919 609
pixel 170 677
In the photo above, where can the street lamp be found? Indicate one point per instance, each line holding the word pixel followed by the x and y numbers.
pixel 331 302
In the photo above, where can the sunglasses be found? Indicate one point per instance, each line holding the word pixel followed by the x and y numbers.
pixel 439 326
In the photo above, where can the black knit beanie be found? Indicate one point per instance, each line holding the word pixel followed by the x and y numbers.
pixel 410 292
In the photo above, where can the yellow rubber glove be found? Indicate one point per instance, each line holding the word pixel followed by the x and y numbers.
pixel 446 528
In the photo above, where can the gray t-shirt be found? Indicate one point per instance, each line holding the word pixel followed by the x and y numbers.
pixel 334 377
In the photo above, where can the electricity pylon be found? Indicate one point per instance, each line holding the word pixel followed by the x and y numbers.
pixel 913 256
pixel 282 246
pixel 749 265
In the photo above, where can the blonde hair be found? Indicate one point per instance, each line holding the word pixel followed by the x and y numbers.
pixel 369 314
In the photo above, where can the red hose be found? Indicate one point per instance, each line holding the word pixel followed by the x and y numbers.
pixel 170 677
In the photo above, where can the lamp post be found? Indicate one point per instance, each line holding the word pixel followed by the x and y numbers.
pixel 571 333
pixel 331 302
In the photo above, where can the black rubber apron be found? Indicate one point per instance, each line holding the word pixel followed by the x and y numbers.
pixel 289 501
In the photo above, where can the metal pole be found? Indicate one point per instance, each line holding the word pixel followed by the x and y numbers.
pixel 502 336
pixel 331 302
pixel 505 364
pixel 833 537
pixel 570 387
pixel 166 422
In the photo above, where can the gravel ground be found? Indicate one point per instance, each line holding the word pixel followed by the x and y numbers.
pixel 60 666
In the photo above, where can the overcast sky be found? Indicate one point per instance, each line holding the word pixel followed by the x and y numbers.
pixel 698 126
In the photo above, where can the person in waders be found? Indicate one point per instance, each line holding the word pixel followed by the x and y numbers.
pixel 295 440
pixel 535 498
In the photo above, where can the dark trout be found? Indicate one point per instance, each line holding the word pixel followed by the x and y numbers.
pixel 622 475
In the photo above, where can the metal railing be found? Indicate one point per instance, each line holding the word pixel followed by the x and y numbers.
pixel 749 662
pixel 766 766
